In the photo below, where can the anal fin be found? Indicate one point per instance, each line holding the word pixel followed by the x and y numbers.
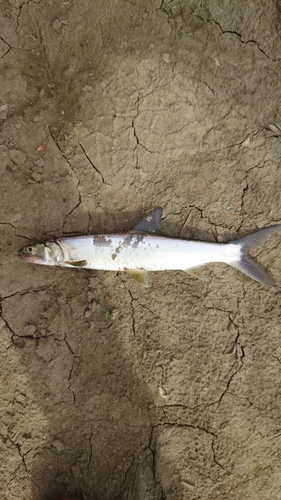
pixel 139 275
pixel 195 272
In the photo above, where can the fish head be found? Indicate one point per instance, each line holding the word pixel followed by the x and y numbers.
pixel 48 253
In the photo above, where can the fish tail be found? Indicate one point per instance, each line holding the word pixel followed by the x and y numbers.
pixel 245 264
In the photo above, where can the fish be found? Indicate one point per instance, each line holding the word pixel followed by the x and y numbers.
pixel 145 249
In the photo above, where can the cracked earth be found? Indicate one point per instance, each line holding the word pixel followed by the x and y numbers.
pixel 109 109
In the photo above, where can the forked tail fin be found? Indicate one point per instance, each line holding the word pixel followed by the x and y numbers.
pixel 245 264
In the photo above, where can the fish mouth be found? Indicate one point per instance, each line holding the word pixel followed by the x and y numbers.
pixel 28 258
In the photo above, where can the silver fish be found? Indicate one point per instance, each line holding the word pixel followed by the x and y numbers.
pixel 144 250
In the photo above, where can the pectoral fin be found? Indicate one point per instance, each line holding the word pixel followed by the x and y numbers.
pixel 77 263
pixel 139 275
pixel 151 223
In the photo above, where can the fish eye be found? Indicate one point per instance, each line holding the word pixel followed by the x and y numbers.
pixel 29 249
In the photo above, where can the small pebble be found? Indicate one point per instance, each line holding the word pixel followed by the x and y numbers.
pixel 58 445
pixel 114 314
pixel 29 330
pixel 57 24
pixel 17 156
pixel 18 342
pixel 16 3
pixel 87 88
pixel 3 111
pixel 37 169
pixel 16 217
pixel 39 163
pixel 36 176
pixel 276 128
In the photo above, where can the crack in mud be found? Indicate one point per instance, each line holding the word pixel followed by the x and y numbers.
pixel 31 290
pixel 13 334
pixel 239 36
pixel 215 459
pixel 15 229
pixel 238 349
pixel 74 174
pixel 136 135
pixel 235 144
pixel 8 49
pixel 153 452
pixel 176 405
pixel 202 216
pixel 155 316
pixel 151 446
pixel 72 210
pixel 21 455
pixel 167 13
pixel 134 119
pixel 242 398
pixel 125 477
pixel 226 390
pixel 44 50
pixel 64 155
pixel 132 299
pixel 245 189
pixel 90 451
pixel 177 131
pixel 185 425
pixel 244 192
pixel 72 367
pixel 93 165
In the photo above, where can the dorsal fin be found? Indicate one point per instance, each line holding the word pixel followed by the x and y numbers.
pixel 151 223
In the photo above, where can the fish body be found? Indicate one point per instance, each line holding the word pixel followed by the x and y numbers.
pixel 114 252
pixel 140 252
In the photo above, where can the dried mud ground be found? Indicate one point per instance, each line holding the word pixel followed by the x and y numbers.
pixel 109 390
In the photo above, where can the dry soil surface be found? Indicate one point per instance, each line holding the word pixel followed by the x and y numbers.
pixel 110 390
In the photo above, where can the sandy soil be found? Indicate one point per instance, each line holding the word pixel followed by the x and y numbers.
pixel 110 390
